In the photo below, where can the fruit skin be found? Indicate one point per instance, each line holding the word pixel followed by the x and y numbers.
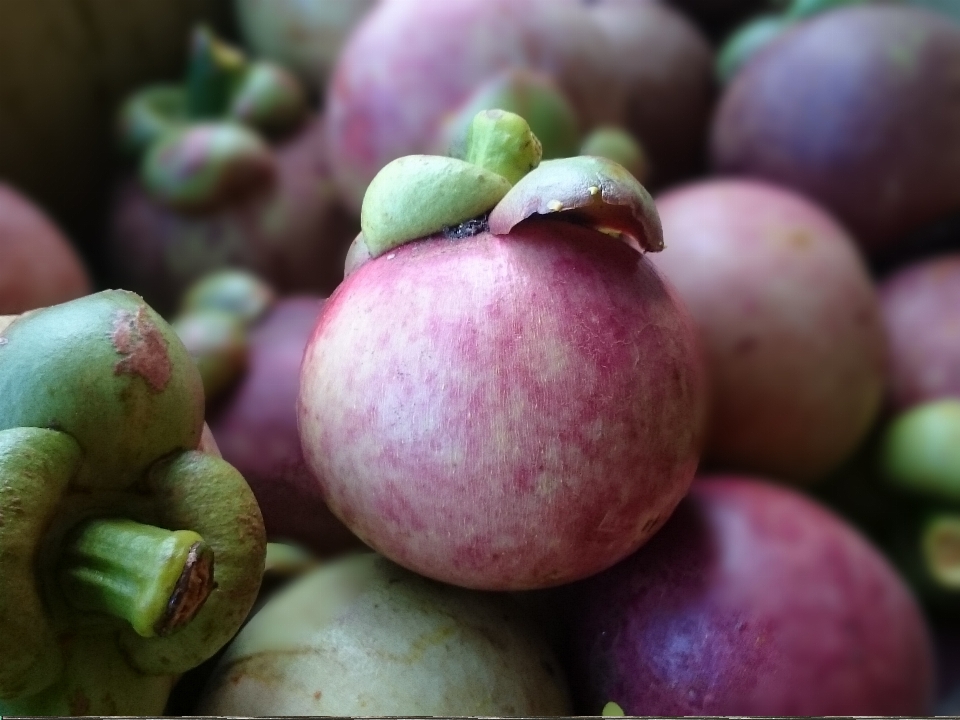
pixel 305 37
pixel 256 429
pixel 38 266
pixel 846 133
pixel 752 600
pixel 65 71
pixel 919 304
pixel 473 409
pixel 790 321
pixel 294 234
pixel 362 636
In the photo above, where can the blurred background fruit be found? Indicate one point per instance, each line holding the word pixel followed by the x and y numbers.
pixel 38 265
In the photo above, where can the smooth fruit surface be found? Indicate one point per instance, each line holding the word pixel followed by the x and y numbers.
pixel 752 600
pixel 790 320
pixel 504 412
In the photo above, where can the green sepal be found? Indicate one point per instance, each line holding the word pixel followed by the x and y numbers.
pixel 199 492
pixel 502 142
pixel 233 291
pixel 148 115
pixel 419 195
pixel 36 467
pixel 533 96
pixel 587 190
pixel 215 71
pixel 109 372
pixel 270 99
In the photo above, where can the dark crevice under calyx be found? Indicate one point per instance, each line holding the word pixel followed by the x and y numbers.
pixel 468 228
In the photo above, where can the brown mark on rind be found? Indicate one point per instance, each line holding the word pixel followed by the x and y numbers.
pixel 143 347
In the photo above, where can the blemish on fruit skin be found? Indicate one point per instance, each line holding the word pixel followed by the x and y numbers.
pixel 144 349
pixel 555 206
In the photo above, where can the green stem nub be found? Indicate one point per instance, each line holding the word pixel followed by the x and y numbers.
pixel 503 143
pixel 155 579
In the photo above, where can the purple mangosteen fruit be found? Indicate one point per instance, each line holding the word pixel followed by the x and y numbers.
pixel 752 600
pixel 790 320
pixel 830 110
pixel 38 265
pixel 232 173
pixel 503 393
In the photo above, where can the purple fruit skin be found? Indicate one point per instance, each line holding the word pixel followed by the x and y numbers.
pixel 256 430
pixel 295 234
pixel 921 309
pixel 752 600
pixel 833 110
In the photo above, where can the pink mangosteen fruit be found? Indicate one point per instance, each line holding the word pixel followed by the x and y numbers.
pixel 38 265
pixel 921 309
pixel 791 323
pixel 503 393
pixel 752 600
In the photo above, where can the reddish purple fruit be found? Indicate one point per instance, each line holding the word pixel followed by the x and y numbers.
pixel 255 426
pixel 38 266
pixel 752 600
pixel 790 320
pixel 921 308
pixel 831 110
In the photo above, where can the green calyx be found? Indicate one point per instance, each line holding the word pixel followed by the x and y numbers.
pixel 125 537
pixel 920 451
pixel 418 196
pixel 222 88
pixel 216 314
pixel 202 166
pixel 534 97
pixel 620 146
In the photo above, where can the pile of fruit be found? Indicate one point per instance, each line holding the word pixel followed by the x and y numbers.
pixel 480 357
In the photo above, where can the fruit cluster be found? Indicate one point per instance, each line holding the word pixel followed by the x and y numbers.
pixel 480 358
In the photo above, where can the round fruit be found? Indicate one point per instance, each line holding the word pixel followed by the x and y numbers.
pixel 752 600
pixel 790 320
pixel 38 266
pixel 829 109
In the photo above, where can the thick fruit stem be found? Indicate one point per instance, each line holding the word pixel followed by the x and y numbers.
pixel 155 579
pixel 503 143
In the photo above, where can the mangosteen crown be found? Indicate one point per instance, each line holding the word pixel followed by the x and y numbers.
pixel 205 139
pixel 501 176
